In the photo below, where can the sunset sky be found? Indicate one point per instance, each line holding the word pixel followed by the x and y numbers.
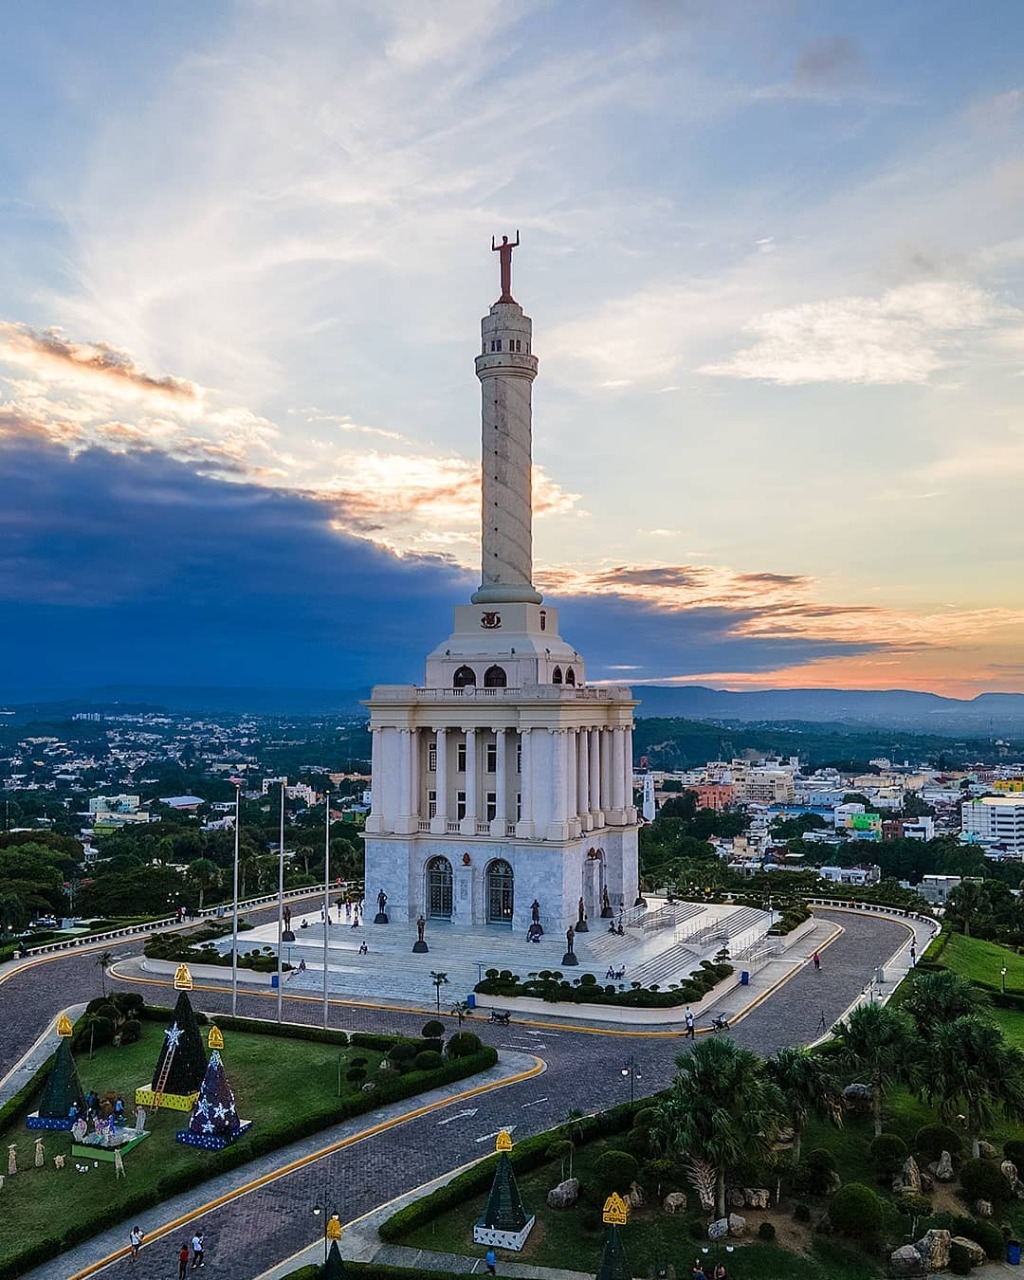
pixel 774 257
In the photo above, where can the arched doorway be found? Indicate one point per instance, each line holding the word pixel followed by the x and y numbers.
pixel 439 889
pixel 500 892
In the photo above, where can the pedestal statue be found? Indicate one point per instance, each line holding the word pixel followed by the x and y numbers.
pixel 570 941
pixel 419 946
pixel 382 915
pixel 581 917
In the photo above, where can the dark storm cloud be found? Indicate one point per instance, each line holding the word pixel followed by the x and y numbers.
pixel 131 568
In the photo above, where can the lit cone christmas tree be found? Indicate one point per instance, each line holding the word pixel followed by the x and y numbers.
pixel 504 1223
pixel 214 1123
pixel 614 1263
pixel 62 1090
pixel 181 1065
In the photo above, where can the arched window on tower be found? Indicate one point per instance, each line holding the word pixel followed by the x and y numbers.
pixel 464 678
pixel 495 678
pixel 570 676
pixel 556 676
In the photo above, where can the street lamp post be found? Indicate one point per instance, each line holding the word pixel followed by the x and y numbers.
pixel 327 895
pixel 234 900
pixel 280 910
pixel 332 1226
pixel 1002 974
pixel 632 1070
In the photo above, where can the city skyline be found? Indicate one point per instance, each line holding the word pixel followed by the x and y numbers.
pixel 773 262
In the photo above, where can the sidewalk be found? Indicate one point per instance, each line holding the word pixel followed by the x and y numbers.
pixel 170 1215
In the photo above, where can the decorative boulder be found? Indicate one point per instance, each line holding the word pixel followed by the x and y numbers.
pixel 718 1229
pixel 857 1095
pixel 910 1177
pixel 943 1168
pixel 1009 1171
pixel 934 1249
pixel 737 1225
pixel 906 1261
pixel 832 1183
pixel 927 1182
pixel 565 1195
pixel 756 1197
pixel 635 1197
pixel 983 1208
pixel 735 1199
pixel 974 1250
pixel 674 1202
pixel 987 1151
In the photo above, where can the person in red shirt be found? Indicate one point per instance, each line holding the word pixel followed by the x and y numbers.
pixel 183 1261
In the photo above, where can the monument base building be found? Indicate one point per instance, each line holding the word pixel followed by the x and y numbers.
pixel 505 780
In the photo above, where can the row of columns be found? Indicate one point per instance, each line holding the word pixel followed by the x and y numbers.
pixel 570 780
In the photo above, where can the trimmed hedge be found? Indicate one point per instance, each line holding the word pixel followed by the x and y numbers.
pixel 389 1089
pixel 525 1156
pixel 555 988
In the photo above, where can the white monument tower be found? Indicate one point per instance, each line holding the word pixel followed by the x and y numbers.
pixel 505 778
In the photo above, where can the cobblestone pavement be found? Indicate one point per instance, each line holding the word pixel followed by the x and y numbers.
pixel 584 1071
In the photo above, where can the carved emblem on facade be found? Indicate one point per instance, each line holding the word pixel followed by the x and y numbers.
pixel 490 621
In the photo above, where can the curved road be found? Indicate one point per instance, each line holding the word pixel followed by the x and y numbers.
pixel 271 1223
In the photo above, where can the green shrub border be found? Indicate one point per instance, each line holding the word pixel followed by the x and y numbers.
pixel 395 1089
pixel 525 1156
pixel 589 990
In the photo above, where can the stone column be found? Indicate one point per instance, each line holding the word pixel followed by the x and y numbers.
pixel 630 807
pixel 414 775
pixel 374 819
pixel 403 814
pixel 572 782
pixel 524 827
pixel 500 783
pixel 606 771
pixel 583 778
pixel 558 826
pixel 595 777
pixel 618 754
pixel 468 826
pixel 439 823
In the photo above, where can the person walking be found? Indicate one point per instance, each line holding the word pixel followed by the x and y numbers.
pixel 913 955
pixel 197 1250
pixel 691 1028
pixel 491 1259
pixel 183 1261
pixel 135 1241
pixel 817 962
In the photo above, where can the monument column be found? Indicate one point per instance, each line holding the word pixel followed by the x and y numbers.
pixel 373 818
pixel 414 776
pixel 618 775
pixel 595 778
pixel 403 816
pixel 500 783
pixel 468 826
pixel 439 822
pixel 524 827
pixel 583 778
pixel 605 736
pixel 628 750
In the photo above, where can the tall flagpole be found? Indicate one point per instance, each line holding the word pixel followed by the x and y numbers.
pixel 280 909
pixel 327 890
pixel 234 902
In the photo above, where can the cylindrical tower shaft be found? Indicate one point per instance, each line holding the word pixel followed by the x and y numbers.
pixel 506 368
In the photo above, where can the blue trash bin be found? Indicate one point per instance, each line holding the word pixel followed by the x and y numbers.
pixel 745 978
pixel 471 1000
pixel 273 980
pixel 1013 1252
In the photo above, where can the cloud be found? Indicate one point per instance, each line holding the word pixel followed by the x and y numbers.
pixel 94 365
pixel 826 62
pixel 903 336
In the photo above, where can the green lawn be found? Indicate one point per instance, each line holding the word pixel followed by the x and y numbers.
pixel 983 961
pixel 276 1080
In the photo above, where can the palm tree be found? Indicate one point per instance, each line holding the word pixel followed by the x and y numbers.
pixel 965 905
pixel 937 999
pixel 722 1111
pixel 439 980
pixel 807 1084
pixel 203 874
pixel 974 1072
pixel 460 1008
pixel 880 1041
pixel 103 963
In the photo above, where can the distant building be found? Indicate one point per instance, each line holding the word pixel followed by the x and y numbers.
pixel 713 795
pixel 995 820
pixel 857 822
pixel 185 804
pixel 851 875
pixel 936 889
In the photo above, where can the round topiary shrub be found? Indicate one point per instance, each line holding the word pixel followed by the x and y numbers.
pixel 645 1118
pixel 402 1054
pixel 96 1004
pixel 428 1060
pixel 933 1139
pixel 888 1152
pixel 987 1234
pixel 355 1075
pixel 766 1231
pixel 433 1030
pixel 914 1206
pixel 463 1044
pixel 981 1180
pixel 560 1150
pixel 855 1210
pixel 815 1175
pixel 131 1031
pixel 614 1171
